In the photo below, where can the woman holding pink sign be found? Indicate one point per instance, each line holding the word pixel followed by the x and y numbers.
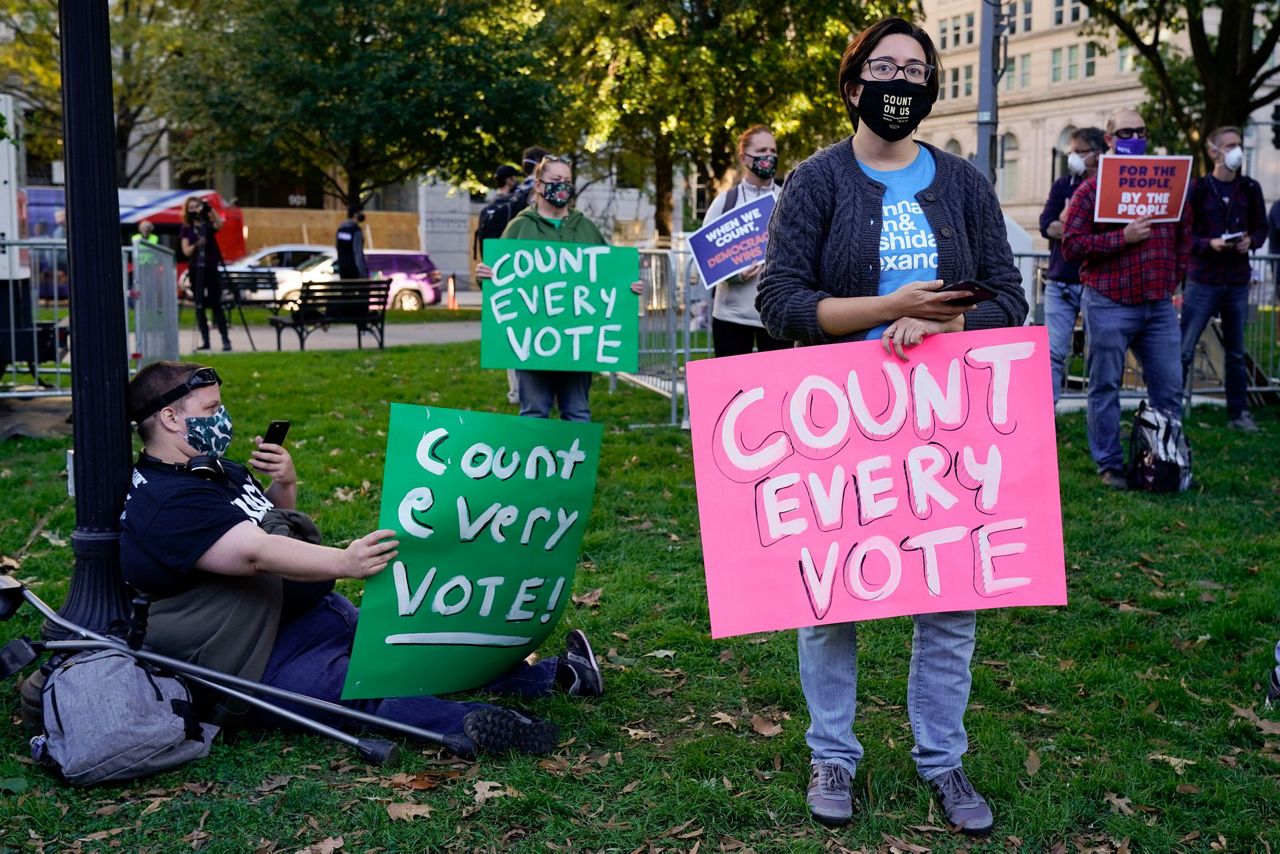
pixel 881 237
pixel 549 218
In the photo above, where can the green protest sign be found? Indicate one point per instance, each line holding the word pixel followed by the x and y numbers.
pixel 490 512
pixel 560 307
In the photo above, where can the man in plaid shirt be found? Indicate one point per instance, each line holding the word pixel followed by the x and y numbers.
pixel 1129 272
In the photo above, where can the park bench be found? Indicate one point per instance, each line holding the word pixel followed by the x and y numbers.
pixel 248 286
pixel 361 303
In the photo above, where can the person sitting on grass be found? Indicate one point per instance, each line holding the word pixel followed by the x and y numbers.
pixel 230 596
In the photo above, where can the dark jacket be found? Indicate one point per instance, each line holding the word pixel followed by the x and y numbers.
pixel 1060 269
pixel 1244 211
pixel 824 241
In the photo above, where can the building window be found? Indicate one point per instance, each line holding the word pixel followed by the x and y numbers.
pixel 1072 10
pixel 1007 174
pixel 1078 11
pixel 955 83
pixel 1010 74
pixel 955 31
pixel 1024 71
pixel 1090 57
pixel 1055 65
pixel 1011 13
pixel 1073 62
pixel 968 80
pixel 953 147
pixel 968 28
pixel 1026 16
pixel 1124 59
pixel 942 36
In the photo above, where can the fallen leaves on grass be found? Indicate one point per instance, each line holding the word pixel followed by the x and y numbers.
pixel 1119 804
pixel 278 782
pixel 1179 765
pixel 724 719
pixel 327 845
pixel 590 599
pixel 640 734
pixel 902 846
pixel 661 653
pixel 765 727
pixel 404 811
pixel 487 790
pixel 54 539
pixel 1265 726
pixel 1032 763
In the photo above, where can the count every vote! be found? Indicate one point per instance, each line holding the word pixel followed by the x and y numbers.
pixel 560 306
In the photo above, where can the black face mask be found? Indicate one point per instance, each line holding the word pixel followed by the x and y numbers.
pixel 893 109
pixel 765 166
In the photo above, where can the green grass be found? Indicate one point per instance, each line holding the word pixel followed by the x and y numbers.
pixel 1174 610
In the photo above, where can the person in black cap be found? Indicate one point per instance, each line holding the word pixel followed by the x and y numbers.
pixel 350 245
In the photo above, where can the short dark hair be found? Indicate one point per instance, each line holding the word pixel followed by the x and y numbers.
pixel 503 173
pixel 531 157
pixel 1092 137
pixel 352 210
pixel 151 382
pixel 864 43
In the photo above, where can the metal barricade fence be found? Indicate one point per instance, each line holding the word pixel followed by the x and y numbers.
pixel 675 329
pixel 35 311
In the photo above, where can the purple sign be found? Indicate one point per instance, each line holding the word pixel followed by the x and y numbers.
pixel 734 242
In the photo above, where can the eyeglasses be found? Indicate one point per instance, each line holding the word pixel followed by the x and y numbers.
pixel 1129 133
pixel 914 72
pixel 199 379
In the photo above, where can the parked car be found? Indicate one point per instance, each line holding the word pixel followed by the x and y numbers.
pixel 414 278
pixel 281 259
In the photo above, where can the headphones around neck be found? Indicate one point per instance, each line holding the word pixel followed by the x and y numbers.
pixel 202 466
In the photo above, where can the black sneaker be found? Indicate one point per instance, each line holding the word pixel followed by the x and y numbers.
pixel 578 672
pixel 499 730
pixel 1114 479
pixel 1271 705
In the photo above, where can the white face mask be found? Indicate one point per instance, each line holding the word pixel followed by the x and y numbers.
pixel 1076 164
pixel 1234 158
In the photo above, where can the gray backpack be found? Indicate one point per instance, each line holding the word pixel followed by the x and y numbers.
pixel 108 716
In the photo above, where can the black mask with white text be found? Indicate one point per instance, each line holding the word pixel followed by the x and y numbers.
pixel 893 109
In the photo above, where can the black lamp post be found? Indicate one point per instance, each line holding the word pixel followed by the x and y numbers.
pixel 99 364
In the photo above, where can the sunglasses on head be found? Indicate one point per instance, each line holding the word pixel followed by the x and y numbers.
pixel 1129 133
pixel 199 379
pixel 557 158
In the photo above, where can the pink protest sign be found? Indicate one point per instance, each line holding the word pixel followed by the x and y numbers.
pixel 838 483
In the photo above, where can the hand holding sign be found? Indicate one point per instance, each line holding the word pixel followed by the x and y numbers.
pixel 1138 230
pixel 1131 188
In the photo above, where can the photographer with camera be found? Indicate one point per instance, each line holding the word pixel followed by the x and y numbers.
pixel 200 223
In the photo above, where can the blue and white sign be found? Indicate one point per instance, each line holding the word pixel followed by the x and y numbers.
pixel 733 242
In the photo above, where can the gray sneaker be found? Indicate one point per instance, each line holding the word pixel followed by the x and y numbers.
pixel 966 810
pixel 830 798
pixel 1244 421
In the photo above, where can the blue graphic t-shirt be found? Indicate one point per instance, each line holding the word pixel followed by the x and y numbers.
pixel 908 251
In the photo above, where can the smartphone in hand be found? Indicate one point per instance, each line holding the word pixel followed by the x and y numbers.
pixel 968 293
pixel 276 432
pixel 1233 238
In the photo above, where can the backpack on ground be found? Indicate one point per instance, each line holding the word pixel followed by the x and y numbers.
pixel 1159 456
pixel 496 215
pixel 108 716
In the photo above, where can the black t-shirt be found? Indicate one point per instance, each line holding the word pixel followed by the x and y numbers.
pixel 171 518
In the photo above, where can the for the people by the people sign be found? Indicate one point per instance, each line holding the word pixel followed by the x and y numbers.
pixel 489 511
pixel 733 242
pixel 560 306
pixel 1132 187
pixel 838 483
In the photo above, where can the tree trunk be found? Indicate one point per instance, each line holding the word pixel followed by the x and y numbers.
pixel 663 184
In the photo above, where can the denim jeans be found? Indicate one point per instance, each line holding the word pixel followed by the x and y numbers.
pixel 1150 329
pixel 1061 307
pixel 540 390
pixel 311 655
pixel 937 690
pixel 1200 302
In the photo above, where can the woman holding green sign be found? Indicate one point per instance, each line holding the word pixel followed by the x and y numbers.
pixel 864 236
pixel 549 218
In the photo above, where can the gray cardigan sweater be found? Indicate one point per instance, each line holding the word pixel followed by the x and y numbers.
pixel 824 241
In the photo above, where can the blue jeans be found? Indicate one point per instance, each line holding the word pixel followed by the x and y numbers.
pixel 311 655
pixel 1061 307
pixel 1150 329
pixel 937 690
pixel 540 390
pixel 1200 302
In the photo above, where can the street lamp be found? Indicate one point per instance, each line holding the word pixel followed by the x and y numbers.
pixel 993 51
pixel 99 365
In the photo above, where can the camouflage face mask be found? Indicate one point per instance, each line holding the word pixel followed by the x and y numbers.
pixel 210 434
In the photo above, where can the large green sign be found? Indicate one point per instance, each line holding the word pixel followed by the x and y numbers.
pixel 560 306
pixel 489 511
